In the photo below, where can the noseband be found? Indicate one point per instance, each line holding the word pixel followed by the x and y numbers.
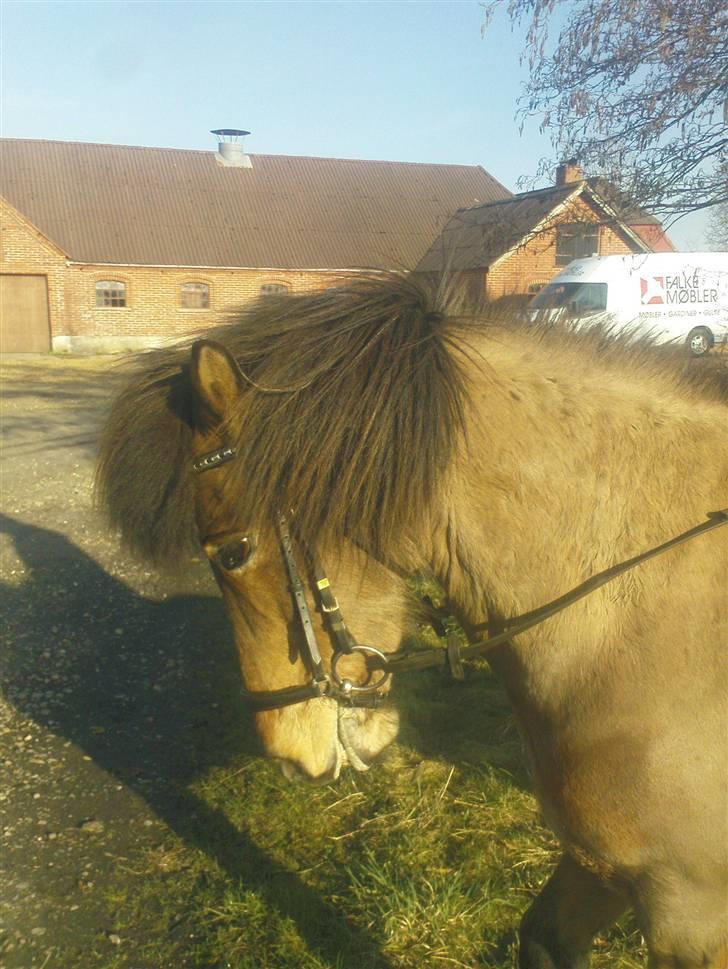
pixel 370 695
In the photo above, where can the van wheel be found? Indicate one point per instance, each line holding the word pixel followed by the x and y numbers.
pixel 699 341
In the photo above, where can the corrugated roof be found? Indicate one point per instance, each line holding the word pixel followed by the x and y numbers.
pixel 475 237
pixel 168 207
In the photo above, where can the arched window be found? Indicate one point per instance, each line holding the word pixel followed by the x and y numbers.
pixel 274 289
pixel 110 292
pixel 195 296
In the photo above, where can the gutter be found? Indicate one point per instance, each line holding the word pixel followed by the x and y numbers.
pixel 268 269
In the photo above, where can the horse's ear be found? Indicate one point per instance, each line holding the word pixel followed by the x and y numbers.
pixel 216 382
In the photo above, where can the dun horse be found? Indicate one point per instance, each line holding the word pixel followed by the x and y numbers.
pixel 513 464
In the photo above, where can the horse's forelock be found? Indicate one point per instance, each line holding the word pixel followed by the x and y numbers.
pixel 143 477
pixel 350 406
pixel 350 413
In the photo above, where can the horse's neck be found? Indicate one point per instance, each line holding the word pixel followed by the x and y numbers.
pixel 563 474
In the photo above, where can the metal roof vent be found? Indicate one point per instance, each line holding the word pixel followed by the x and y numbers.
pixel 230 148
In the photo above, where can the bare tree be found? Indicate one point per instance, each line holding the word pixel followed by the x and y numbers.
pixel 636 90
pixel 717 230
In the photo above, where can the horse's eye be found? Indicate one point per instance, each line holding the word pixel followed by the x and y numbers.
pixel 234 554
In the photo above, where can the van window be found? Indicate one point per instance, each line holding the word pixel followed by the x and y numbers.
pixel 581 298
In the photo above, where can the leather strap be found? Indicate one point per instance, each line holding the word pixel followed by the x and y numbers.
pixel 214 459
pixel 299 595
pixel 344 642
pixel 288 695
pixel 455 655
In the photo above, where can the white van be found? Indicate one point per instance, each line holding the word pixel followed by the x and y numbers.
pixel 673 296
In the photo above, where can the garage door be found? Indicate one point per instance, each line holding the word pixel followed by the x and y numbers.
pixel 24 314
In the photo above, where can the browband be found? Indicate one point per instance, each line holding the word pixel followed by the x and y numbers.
pixel 213 459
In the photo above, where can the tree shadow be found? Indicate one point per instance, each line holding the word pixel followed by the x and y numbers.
pixel 143 688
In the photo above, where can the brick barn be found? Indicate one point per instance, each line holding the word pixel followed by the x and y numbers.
pixel 109 247
pixel 513 246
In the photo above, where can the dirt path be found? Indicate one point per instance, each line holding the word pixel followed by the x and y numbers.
pixel 114 680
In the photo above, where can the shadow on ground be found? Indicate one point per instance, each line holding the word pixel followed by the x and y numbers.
pixel 150 691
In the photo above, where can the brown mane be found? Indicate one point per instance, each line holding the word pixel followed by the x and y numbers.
pixel 353 402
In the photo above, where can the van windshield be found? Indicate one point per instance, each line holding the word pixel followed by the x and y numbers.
pixel 580 298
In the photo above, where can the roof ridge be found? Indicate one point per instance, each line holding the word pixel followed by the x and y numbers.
pixel 211 151
pixel 522 196
pixel 101 144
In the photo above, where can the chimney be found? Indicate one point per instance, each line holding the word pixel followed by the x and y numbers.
pixel 569 171
pixel 230 148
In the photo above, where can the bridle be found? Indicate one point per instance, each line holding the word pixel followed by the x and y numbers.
pixel 329 684
pixel 322 684
pixel 370 694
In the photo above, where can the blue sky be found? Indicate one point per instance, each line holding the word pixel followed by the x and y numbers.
pixel 403 81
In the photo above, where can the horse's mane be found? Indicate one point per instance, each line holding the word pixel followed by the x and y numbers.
pixel 634 354
pixel 352 403
pixel 351 406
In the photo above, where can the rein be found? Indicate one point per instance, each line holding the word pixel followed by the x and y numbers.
pixel 455 655
pixel 369 694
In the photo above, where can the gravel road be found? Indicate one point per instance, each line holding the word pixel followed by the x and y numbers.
pixel 115 681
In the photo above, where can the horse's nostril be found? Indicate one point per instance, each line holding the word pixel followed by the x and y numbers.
pixel 290 771
pixel 297 774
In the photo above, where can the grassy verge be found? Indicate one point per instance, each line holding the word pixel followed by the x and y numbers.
pixel 427 861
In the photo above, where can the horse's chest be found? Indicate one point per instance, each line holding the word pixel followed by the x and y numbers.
pixel 590 794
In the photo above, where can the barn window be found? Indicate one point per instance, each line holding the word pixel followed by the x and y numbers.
pixel 110 292
pixel 576 240
pixel 195 296
pixel 274 289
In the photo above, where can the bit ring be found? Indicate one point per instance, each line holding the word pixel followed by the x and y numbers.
pixel 346 686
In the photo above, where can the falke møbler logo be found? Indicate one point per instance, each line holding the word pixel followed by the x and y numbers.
pixel 679 289
pixel 652 290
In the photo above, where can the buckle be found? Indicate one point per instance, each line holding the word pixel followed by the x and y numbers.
pixel 322 685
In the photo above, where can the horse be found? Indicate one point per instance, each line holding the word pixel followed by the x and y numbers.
pixel 382 427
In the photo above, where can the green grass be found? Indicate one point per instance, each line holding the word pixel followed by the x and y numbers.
pixel 427 861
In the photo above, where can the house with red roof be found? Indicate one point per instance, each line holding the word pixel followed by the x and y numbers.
pixel 118 247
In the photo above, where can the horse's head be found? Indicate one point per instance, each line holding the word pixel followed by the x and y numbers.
pixel 311 737
pixel 338 410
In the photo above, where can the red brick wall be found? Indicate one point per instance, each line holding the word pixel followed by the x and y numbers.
pixel 153 296
pixel 534 263
pixel 24 251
